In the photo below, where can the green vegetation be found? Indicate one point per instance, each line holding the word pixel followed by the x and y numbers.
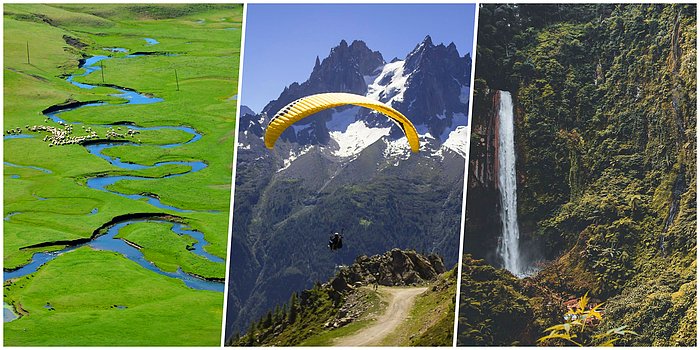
pixel 605 100
pixel 580 323
pixel 296 321
pixel 203 45
pixel 327 337
pixel 168 250
pixel 495 307
pixel 85 287
pixel 431 321
pixel 308 318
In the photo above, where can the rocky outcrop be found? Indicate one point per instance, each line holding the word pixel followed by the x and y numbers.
pixel 75 42
pixel 394 268
pixel 482 224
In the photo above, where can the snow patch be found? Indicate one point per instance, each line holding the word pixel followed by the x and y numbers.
pixel 394 90
pixel 356 138
pixel 457 141
pixel 458 119
pixel 341 120
pixel 398 149
pixel 293 155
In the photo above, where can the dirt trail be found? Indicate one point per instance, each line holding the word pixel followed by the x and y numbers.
pixel 400 301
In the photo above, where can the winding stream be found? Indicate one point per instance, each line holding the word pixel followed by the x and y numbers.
pixel 108 241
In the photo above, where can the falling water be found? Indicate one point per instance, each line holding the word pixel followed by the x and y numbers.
pixel 508 248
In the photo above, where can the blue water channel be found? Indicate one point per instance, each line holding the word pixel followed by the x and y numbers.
pixel 17 136
pixel 108 240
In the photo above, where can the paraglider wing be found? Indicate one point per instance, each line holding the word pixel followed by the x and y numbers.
pixel 309 105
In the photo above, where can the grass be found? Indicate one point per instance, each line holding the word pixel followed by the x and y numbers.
pixel 206 58
pixel 168 250
pixel 84 285
pixel 327 338
pixel 431 320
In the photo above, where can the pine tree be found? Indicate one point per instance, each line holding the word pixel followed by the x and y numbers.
pixel 292 315
pixel 268 320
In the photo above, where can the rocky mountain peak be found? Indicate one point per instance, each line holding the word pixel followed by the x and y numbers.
pixel 426 50
pixel 436 93
pixel 430 86
pixel 356 58
pixel 342 71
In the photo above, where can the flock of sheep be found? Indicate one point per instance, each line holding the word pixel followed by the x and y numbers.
pixel 60 137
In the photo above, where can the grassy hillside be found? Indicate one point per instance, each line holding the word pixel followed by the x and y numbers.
pixel 323 315
pixel 431 321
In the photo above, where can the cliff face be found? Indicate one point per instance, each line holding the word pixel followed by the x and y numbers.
pixel 605 131
pixel 482 224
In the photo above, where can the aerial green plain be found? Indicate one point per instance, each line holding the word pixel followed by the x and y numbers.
pixel 84 286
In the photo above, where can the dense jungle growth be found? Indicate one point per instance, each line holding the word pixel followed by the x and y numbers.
pixel 605 107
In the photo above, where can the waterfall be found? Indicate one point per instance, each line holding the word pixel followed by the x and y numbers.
pixel 508 248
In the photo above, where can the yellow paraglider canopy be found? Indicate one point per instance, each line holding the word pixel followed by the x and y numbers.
pixel 309 105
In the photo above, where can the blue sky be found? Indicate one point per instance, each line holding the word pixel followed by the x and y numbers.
pixel 282 41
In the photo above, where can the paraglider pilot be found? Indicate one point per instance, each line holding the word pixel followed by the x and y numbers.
pixel 336 241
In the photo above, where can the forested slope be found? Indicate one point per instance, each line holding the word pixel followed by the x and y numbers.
pixel 605 100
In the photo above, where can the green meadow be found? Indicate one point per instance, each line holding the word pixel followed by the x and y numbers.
pixel 202 44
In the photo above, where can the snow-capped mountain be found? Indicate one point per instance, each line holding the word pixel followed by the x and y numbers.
pixel 349 169
pixel 430 86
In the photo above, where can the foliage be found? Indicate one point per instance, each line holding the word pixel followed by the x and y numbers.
pixel 304 315
pixel 493 309
pixel 605 99
pixel 431 321
pixel 580 323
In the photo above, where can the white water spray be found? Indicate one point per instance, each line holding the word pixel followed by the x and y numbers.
pixel 508 248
